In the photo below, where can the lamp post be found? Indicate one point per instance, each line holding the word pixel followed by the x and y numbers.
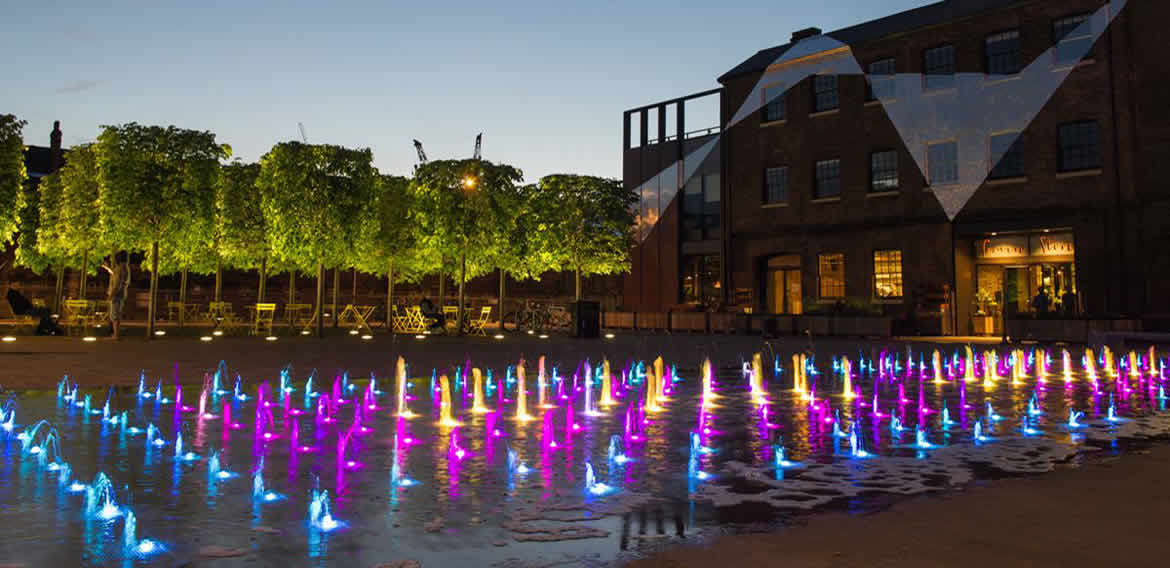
pixel 469 183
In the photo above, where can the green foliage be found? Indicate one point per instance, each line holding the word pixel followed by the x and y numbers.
pixel 28 254
pixel 79 228
pixel 584 223
pixel 466 207
pixel 315 200
pixel 241 234
pixel 158 185
pixel 12 175
pixel 390 235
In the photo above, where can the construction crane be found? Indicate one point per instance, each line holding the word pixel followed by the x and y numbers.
pixel 301 127
pixel 422 156
pixel 478 141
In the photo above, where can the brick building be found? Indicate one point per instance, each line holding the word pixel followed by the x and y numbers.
pixel 1039 124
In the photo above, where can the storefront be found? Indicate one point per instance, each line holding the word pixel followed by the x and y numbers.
pixel 1023 272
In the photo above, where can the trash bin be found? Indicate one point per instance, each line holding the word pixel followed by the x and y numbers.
pixel 586 319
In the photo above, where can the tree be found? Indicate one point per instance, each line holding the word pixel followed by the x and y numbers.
pixel 241 234
pixel 589 229
pixel 157 187
pixel 12 175
pixel 463 207
pixel 79 229
pixel 314 199
pixel 392 246
pixel 28 216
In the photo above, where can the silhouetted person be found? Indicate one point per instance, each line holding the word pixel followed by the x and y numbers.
pixel 434 315
pixel 1041 302
pixel 1068 302
pixel 21 306
pixel 118 289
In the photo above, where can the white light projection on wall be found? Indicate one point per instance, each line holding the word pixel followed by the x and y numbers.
pixel 965 110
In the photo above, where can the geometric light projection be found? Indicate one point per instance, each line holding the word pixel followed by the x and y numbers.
pixel 953 120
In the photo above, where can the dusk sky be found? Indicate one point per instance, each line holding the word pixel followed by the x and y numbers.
pixel 545 81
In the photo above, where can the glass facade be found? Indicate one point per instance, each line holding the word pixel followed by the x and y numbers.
pixel 700 280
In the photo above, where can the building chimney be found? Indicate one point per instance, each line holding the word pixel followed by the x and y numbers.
pixel 55 147
pixel 805 33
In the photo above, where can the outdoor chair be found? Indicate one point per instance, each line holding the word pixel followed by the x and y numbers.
pixel 220 314
pixel 356 317
pixel 79 314
pixel 416 323
pixel 265 314
pixel 400 320
pixel 477 325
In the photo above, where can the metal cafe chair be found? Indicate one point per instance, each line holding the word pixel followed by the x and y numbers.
pixel 477 325
pixel 220 314
pixel 265 314
pixel 356 317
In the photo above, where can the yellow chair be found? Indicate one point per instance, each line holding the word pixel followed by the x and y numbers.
pixel 79 314
pixel 265 314
pixel 220 314
pixel 478 325
pixel 416 322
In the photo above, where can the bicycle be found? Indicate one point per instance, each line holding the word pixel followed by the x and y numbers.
pixel 531 317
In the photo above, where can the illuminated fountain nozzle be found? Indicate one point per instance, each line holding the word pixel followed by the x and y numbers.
pixel 592 486
pixel 1074 419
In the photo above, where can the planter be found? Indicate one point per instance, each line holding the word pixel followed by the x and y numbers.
pixel 983 325
pixel 688 321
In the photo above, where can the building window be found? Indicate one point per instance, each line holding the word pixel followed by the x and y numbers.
pixel 1072 38
pixel 887 273
pixel 827 179
pixel 882 84
pixel 942 162
pixel 1078 147
pixel 938 67
pixel 776 185
pixel 701 207
pixel 775 103
pixel 1007 161
pixel 700 280
pixel 1001 53
pixel 883 171
pixel 825 93
pixel 831 275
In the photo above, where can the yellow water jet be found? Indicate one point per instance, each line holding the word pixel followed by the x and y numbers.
pixel 477 404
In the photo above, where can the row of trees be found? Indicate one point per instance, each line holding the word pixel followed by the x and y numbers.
pixel 172 194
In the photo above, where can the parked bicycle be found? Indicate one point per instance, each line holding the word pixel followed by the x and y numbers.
pixel 532 317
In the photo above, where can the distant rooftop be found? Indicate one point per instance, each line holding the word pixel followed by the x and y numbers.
pixel 928 15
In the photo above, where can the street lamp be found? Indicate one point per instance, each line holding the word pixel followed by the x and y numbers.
pixel 469 182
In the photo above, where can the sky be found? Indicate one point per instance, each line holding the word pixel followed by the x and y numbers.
pixel 545 81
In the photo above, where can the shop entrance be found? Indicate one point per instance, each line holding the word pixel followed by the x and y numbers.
pixel 782 284
pixel 1012 271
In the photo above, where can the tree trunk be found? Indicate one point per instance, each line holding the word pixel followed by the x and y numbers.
pixel 183 298
pixel 152 305
pixel 60 289
pixel 442 289
pixel 390 297
pixel 320 299
pixel 503 282
pixel 462 281
pixel 353 295
pixel 263 280
pixel 84 275
pixel 218 280
pixel 292 286
pixel 336 286
pixel 578 282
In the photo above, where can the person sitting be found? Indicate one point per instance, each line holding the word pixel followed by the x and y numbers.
pixel 435 318
pixel 21 306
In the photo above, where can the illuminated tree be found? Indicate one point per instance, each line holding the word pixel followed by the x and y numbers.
pixel 241 233
pixel 390 245
pixel 314 199
pixel 463 209
pixel 79 229
pixel 589 228
pixel 157 189
pixel 12 175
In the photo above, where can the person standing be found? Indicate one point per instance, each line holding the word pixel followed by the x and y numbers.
pixel 118 289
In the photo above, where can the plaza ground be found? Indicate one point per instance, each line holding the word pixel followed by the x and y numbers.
pixel 1106 511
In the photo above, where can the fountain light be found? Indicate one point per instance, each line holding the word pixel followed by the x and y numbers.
pixel 205 338
pixel 609 336
pixel 217 332
pixel 270 338
pixel 544 336
pixel 305 332
pixel 367 337
pixel 420 336
pixel 89 338
pixel 160 332
pixel 8 339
